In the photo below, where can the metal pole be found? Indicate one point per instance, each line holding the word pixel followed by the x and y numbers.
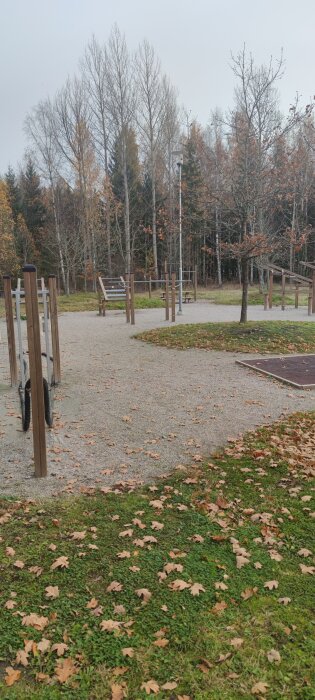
pixel 180 290
pixel 10 329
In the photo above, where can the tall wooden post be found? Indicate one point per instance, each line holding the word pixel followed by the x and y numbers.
pixel 132 300
pixel 167 302
pixel 52 287
pixel 127 298
pixel 36 374
pixel 296 296
pixel 265 302
pixel 195 282
pixel 282 292
pixel 165 267
pixel 150 287
pixel 313 292
pixel 270 288
pixel 10 329
pixel 173 296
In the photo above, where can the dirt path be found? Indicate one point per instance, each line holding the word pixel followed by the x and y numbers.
pixel 128 411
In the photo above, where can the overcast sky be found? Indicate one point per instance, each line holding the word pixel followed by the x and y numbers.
pixel 41 42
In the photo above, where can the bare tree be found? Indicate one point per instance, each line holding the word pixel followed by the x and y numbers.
pixel 39 128
pixel 121 105
pixel 150 119
pixel 95 75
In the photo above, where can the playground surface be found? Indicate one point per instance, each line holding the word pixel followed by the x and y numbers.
pixel 128 412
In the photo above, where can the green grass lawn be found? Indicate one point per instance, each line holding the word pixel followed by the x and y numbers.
pixel 254 336
pixel 199 587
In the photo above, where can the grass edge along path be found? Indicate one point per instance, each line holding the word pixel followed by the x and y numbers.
pixel 283 337
pixel 200 586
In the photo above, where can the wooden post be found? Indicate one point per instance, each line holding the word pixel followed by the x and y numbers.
pixel 310 300
pixel 52 287
pixel 195 283
pixel 296 298
pixel 127 299
pixel 173 297
pixel 282 292
pixel 10 329
pixel 132 300
pixel 150 287
pixel 165 267
pixel 36 374
pixel 270 288
pixel 167 304
pixel 265 302
pixel 313 292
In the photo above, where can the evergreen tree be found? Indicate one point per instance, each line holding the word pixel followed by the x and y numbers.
pixel 8 257
pixel 33 208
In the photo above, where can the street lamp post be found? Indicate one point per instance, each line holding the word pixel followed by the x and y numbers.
pixel 179 162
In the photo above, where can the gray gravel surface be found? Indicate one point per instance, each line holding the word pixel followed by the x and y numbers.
pixel 127 411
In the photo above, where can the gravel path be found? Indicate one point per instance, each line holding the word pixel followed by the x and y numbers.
pixel 129 411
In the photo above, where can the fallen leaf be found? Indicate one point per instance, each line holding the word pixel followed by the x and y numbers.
pixel 307 569
pixel 118 691
pixel 36 621
pixel 150 687
pixel 249 592
pixel 19 564
pixel 178 585
pixel 304 552
pixel 161 643
pixel 65 669
pixel 114 587
pixel 60 563
pixel 78 535
pixel 21 657
pixel 170 685
pixel 110 625
pixel 196 589
pixel 60 648
pixel 236 642
pixel 144 594
pixel 271 585
pixel 43 645
pixel 128 651
pixel 93 603
pixel 284 601
pixel 219 607
pixel 11 676
pixel 273 656
pixel 52 592
pixel 259 688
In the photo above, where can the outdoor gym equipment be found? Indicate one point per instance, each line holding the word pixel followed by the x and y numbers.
pixel 35 391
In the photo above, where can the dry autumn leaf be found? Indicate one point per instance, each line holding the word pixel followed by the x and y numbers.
pixel 128 651
pixel 196 589
pixel 150 686
pixel 307 569
pixel 219 607
pixel 11 675
pixel 118 691
pixel 60 563
pixel 144 594
pixel 52 592
pixel 161 643
pixel 114 587
pixel 273 656
pixel 271 585
pixel 43 645
pixel 36 621
pixel 236 642
pixel 259 688
pixel 21 657
pixel 65 669
pixel 178 585
pixel 170 685
pixel 110 625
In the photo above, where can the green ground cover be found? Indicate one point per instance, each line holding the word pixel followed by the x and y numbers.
pixel 254 336
pixel 198 587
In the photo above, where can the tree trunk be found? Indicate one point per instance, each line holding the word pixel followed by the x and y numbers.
pixel 155 259
pixel 245 281
pixel 126 217
pixel 217 246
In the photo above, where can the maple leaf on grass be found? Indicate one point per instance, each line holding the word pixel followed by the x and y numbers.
pixel 196 589
pixel 144 594
pixel 259 688
pixel 307 569
pixel 12 675
pixel 150 686
pixel 118 691
pixel 273 656
pixel 271 585
pixel 60 563
pixel 60 648
pixel 163 642
pixel 36 621
pixel 65 668
pixel 43 645
pixel 114 587
pixel 170 685
pixel 21 657
pixel 52 592
pixel 178 585
pixel 110 625
pixel 128 651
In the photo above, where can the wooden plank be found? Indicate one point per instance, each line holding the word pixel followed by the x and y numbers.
pixel 52 286
pixel 36 375
pixel 10 329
